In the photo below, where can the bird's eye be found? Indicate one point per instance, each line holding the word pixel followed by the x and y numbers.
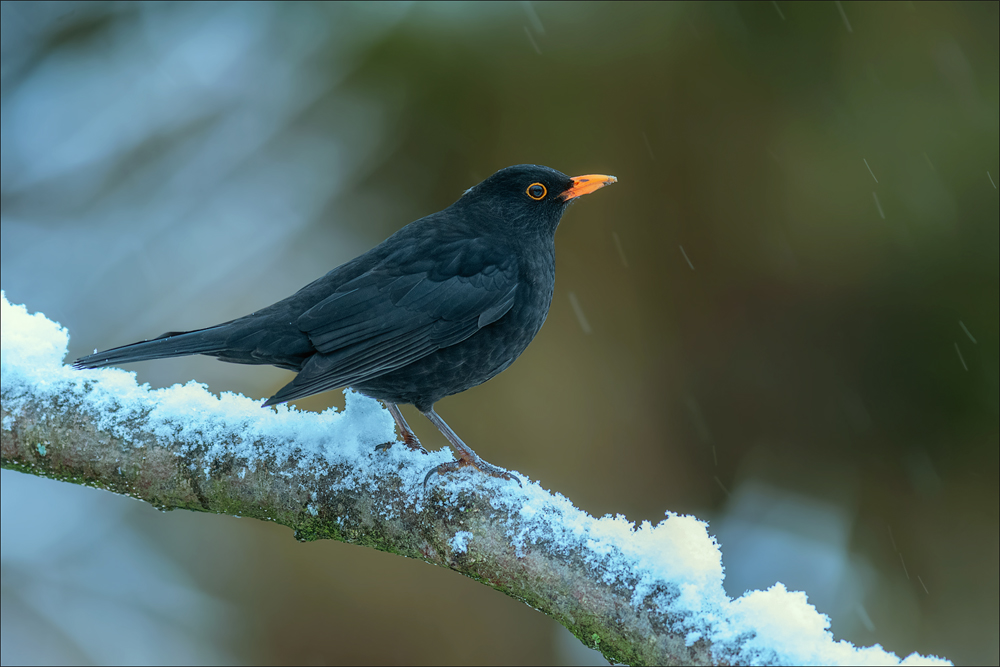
pixel 537 191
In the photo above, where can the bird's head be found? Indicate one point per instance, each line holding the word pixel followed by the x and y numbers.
pixel 528 197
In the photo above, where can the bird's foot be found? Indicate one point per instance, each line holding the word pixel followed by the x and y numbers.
pixel 407 439
pixel 466 457
pixel 406 434
pixel 478 464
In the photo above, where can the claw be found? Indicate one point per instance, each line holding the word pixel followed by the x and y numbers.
pixel 415 447
pixel 435 469
pixel 482 466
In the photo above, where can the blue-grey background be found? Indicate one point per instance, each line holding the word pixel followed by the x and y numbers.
pixel 785 320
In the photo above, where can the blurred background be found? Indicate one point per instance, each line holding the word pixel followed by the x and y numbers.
pixel 783 318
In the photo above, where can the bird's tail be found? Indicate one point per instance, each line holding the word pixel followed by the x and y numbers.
pixel 171 344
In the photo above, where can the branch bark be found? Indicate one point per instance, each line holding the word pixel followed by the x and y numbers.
pixel 56 435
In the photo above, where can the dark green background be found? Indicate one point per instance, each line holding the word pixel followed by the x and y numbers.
pixel 813 352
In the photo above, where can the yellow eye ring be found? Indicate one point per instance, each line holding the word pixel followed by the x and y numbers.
pixel 537 191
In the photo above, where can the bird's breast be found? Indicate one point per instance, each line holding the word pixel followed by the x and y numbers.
pixel 536 282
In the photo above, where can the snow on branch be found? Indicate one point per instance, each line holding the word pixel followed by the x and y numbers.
pixel 640 594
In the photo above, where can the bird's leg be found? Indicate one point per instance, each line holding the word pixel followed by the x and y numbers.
pixel 405 432
pixel 466 457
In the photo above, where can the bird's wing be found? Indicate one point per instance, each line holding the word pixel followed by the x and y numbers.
pixel 384 319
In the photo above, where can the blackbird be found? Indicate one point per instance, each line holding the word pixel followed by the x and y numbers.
pixel 442 305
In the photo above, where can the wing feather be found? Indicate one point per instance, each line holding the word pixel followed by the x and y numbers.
pixel 379 322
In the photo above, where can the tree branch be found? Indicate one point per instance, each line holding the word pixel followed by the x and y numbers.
pixel 55 436
pixel 640 595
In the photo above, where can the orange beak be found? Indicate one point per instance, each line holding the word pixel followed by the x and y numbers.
pixel 584 185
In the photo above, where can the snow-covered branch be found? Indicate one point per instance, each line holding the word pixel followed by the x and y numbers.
pixel 640 594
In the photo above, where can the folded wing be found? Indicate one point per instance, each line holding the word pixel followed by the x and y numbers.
pixel 380 322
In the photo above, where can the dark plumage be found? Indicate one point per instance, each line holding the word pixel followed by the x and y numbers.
pixel 442 305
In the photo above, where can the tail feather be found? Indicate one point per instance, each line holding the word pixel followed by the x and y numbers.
pixel 173 344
